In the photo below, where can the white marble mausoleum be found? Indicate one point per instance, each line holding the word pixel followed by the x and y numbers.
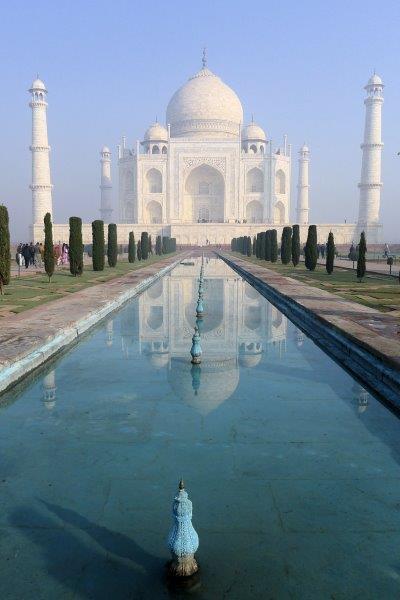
pixel 205 176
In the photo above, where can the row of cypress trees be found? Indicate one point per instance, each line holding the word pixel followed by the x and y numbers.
pixel 265 247
pixel 141 251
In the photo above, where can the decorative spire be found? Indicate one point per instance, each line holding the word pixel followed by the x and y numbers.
pixel 183 540
pixel 204 59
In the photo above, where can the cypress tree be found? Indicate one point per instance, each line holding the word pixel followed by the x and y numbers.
pixel 75 246
pixel 164 246
pixel 311 248
pixel 295 245
pixel 98 246
pixel 262 246
pixel 248 246
pixel 5 253
pixel 49 262
pixel 286 245
pixel 112 245
pixel 274 245
pixel 139 250
pixel 144 244
pixel 254 245
pixel 268 247
pixel 150 245
pixel 362 250
pixel 158 245
pixel 131 248
pixel 330 253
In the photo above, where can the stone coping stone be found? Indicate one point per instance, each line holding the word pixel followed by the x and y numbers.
pixel 364 340
pixel 30 338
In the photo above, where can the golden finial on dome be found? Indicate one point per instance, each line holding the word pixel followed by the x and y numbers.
pixel 204 59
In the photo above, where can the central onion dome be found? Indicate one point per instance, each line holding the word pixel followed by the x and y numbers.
pixel 205 107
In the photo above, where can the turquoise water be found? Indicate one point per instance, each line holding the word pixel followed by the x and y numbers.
pixel 292 467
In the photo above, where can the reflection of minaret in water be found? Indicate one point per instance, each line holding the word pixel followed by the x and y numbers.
pixel 110 333
pixel 361 396
pixel 195 372
pixel 299 337
pixel 49 390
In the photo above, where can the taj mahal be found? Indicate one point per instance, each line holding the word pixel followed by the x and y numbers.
pixel 205 177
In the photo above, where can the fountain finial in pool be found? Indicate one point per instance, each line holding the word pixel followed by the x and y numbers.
pixel 196 350
pixel 183 540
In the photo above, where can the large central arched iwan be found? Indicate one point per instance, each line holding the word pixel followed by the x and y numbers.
pixel 204 195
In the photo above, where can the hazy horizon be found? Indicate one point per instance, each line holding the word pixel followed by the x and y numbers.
pixel 110 69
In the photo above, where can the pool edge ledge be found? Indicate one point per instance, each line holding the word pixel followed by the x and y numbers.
pixel 366 362
pixel 14 372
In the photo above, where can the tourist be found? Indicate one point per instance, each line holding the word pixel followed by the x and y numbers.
pixel 38 260
pixel 26 254
pixel 32 253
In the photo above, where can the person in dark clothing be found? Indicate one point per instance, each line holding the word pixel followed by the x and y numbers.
pixel 32 253
pixel 26 254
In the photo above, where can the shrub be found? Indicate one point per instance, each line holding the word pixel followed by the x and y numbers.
pixel 75 246
pixel 330 253
pixel 295 245
pixel 132 248
pixel 99 245
pixel 286 245
pixel 274 245
pixel 144 244
pixel 310 253
pixel 112 245
pixel 5 252
pixel 362 250
pixel 249 249
pixel 158 245
pixel 254 245
pixel 49 262
pixel 139 250
pixel 267 249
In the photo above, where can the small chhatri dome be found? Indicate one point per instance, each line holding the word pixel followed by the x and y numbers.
pixel 374 80
pixel 205 107
pixel 38 85
pixel 105 150
pixel 304 148
pixel 253 132
pixel 156 133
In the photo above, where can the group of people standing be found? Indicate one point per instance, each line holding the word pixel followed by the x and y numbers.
pixel 29 255
pixel 33 254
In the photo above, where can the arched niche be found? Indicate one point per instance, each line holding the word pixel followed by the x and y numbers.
pixel 255 181
pixel 254 212
pixel 204 195
pixel 154 212
pixel 280 182
pixel 154 181
pixel 279 213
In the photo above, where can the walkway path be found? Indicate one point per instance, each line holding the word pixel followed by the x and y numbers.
pixel 30 338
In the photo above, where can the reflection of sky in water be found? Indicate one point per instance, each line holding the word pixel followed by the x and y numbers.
pixel 293 468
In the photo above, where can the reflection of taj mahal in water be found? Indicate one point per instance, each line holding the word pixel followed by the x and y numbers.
pixel 235 332
pixel 240 329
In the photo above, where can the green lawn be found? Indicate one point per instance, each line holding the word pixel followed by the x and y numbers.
pixel 28 291
pixel 377 291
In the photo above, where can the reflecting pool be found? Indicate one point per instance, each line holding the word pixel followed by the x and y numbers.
pixel 292 467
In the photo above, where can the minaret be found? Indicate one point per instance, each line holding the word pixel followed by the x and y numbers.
pixel 106 186
pixel 41 182
pixel 370 185
pixel 303 187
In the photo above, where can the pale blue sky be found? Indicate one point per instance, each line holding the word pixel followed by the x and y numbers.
pixel 111 67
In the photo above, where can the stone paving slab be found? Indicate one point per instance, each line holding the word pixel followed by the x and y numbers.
pixel 28 339
pixel 372 331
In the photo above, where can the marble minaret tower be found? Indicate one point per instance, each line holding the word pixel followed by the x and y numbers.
pixel 302 208
pixel 41 181
pixel 105 185
pixel 370 184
